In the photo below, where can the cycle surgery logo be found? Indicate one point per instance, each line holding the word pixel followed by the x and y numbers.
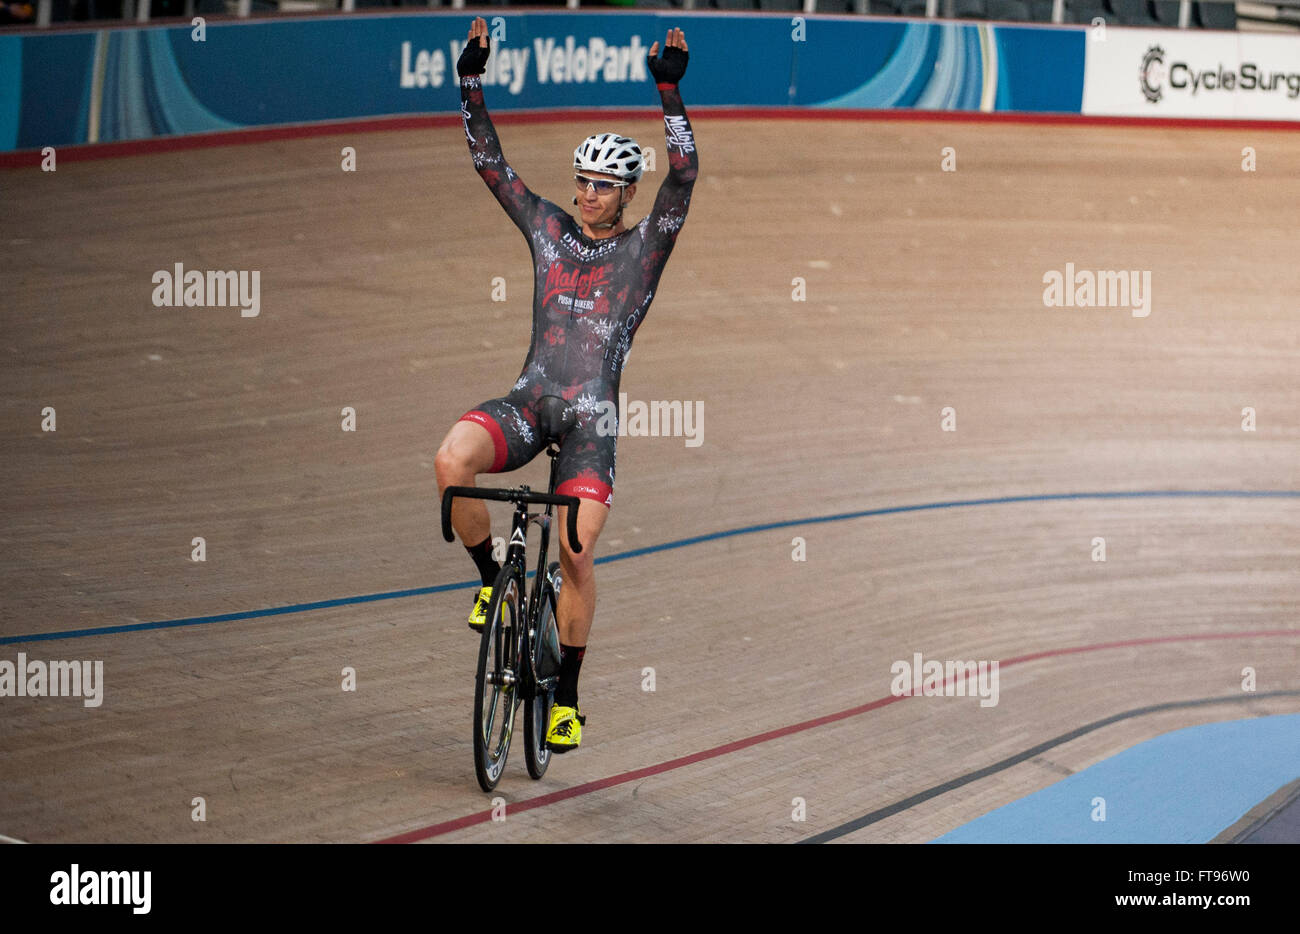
pixel 1180 76
pixel 1152 73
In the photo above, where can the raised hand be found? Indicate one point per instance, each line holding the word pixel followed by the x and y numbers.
pixel 473 58
pixel 669 67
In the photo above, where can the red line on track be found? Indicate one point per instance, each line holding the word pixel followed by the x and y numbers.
pixel 528 804
pixel 542 800
pixel 31 158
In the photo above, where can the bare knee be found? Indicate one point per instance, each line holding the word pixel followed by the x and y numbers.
pixel 449 471
pixel 450 466
pixel 458 461
pixel 580 568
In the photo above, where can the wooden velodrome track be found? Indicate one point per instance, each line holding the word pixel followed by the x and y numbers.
pixel 924 290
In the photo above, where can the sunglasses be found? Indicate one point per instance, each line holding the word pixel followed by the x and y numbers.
pixel 601 185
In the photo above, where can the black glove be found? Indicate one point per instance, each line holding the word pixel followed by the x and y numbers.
pixel 473 60
pixel 670 66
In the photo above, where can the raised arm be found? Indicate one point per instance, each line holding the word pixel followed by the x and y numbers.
pixel 484 147
pixel 674 198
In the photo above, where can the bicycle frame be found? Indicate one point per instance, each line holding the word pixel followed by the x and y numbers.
pixel 516 554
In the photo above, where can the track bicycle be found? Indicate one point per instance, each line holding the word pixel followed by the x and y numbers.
pixel 519 651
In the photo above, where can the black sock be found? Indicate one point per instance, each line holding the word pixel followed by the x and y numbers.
pixel 482 555
pixel 566 692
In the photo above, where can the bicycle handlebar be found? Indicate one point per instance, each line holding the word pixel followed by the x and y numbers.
pixel 512 496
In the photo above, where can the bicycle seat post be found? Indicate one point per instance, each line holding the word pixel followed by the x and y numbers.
pixel 553 450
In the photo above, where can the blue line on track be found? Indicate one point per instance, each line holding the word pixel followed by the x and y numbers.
pixel 651 549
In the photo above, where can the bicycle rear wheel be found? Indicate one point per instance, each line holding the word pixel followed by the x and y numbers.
pixel 496 684
pixel 545 668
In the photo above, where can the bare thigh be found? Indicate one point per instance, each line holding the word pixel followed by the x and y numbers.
pixel 466 452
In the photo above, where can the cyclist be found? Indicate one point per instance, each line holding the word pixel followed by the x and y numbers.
pixel 594 281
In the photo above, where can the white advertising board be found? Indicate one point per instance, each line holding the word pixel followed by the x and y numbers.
pixel 1184 73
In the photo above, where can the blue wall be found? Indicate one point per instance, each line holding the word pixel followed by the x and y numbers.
pixel 161 81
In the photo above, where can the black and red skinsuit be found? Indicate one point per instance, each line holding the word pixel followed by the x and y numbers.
pixel 589 298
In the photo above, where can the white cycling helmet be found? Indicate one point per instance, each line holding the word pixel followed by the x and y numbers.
pixel 609 152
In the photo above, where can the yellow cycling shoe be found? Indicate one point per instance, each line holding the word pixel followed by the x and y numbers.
pixel 478 615
pixel 565 732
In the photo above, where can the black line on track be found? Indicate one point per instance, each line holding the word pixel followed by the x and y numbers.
pixel 876 816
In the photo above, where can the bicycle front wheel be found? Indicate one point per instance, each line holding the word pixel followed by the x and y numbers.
pixel 545 662
pixel 496 684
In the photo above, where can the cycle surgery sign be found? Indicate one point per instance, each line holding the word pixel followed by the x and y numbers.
pixel 1167 73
